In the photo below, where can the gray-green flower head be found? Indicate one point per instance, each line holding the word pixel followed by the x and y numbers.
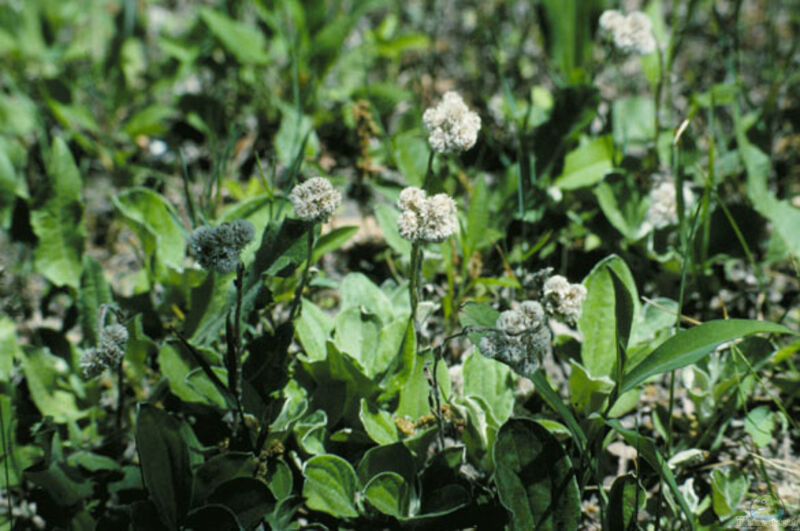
pixel 521 338
pixel 109 351
pixel 218 247
pixel 432 219
pixel 562 299
pixel 451 125
pixel 631 33
pixel 315 200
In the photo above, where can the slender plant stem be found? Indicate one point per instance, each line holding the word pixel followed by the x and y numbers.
pixel 237 332
pixel 6 457
pixel 304 278
pixel 413 284
pixel 426 184
pixel 657 97
pixel 120 395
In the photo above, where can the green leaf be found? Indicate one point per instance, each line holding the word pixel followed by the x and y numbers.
pixel 387 220
pixel 760 423
pixel 42 371
pixel 389 493
pixel 477 216
pixel 411 156
pixel 534 477
pixel 647 449
pixel 569 30
pixel 157 226
pixel 152 120
pixel 491 380
pixel 553 399
pixel 387 458
pixel 625 501
pixel 8 189
pixel 690 346
pixel 9 348
pixel 727 491
pixel 632 120
pixel 94 292
pixel 248 498
pixel 311 431
pixel 246 43
pixel 313 328
pixel 378 424
pixel 219 469
pixel 61 486
pixel 587 164
pixel 164 458
pixel 216 517
pixel 58 222
pixel 280 481
pixel 587 393
pixel 598 320
pixel 330 486
pixel 332 241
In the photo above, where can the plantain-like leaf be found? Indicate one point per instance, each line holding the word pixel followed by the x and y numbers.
pixel 625 501
pixel 330 486
pixel 248 498
pixel 690 346
pixel 535 478
pixel 164 457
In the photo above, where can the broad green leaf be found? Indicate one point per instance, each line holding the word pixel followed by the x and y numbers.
pixel 248 498
pixel 332 241
pixel 632 120
pixel 625 501
pixel 311 431
pixel 647 449
pixel 388 493
pixel 176 366
pixel 58 221
pixel 94 292
pixel 553 399
pixel 727 491
pixel 313 328
pixel 393 457
pixel 64 489
pixel 92 462
pixel 8 189
pixel 164 458
pixel 587 394
pixel 387 220
pixel 760 423
pixel 212 516
pixel 9 348
pixel 219 469
pixel 569 30
pixel 491 380
pixel 690 346
pixel 378 424
pixel 289 139
pixel 477 216
pixel 534 477
pixel 587 164
pixel 152 120
pixel 330 486
pixel 157 225
pixel 246 43
pixel 280 480
pixel 42 371
pixel 411 156
pixel 598 322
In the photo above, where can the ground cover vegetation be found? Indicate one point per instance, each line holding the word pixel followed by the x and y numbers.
pixel 342 264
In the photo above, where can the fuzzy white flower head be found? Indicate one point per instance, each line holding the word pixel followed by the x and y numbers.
pixel 315 200
pixel 411 198
pixel 663 210
pixel 632 33
pixel 110 350
pixel 432 219
pixel 521 340
pixel 451 125
pixel 562 299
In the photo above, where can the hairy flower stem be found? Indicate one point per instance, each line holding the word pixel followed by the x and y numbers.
pixel 426 184
pixel 413 284
pixel 657 97
pixel 304 278
pixel 237 331
pixel 6 457
pixel 120 395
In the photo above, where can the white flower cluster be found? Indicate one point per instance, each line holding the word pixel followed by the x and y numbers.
pixel 109 351
pixel 562 299
pixel 218 247
pixel 451 125
pixel 521 340
pixel 315 200
pixel 663 210
pixel 431 219
pixel 632 33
